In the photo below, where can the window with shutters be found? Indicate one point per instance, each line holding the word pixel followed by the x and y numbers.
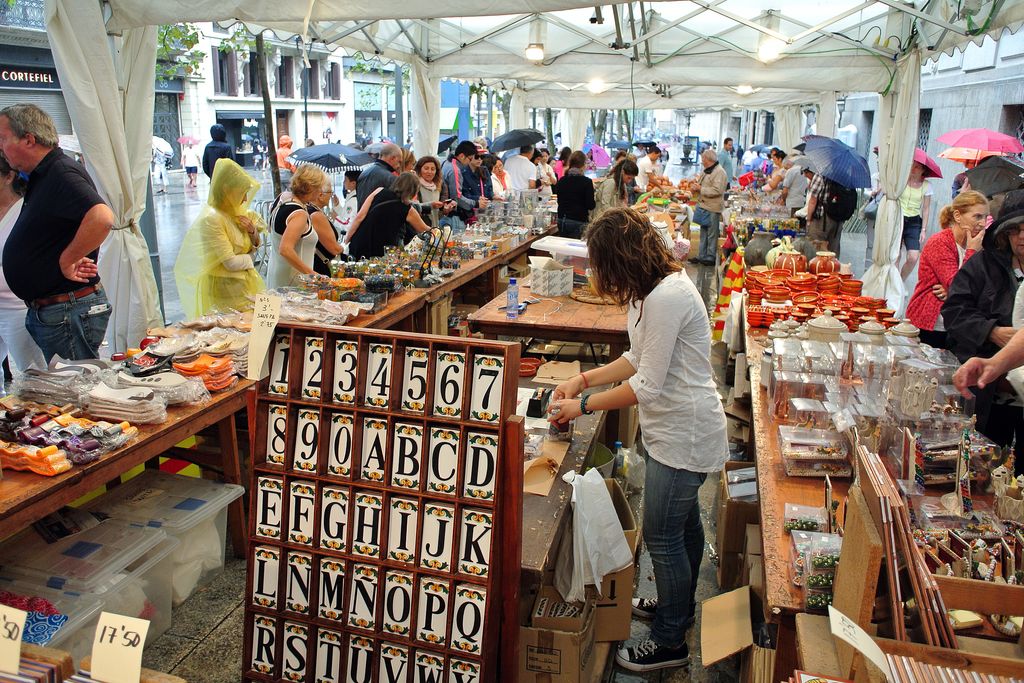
pixel 313 78
pixel 334 82
pixel 284 86
pixel 225 80
pixel 253 87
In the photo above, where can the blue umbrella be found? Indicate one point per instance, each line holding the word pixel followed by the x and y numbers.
pixel 837 161
pixel 618 144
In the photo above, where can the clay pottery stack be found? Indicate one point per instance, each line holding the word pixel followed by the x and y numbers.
pixel 850 287
pixel 776 295
pixel 828 283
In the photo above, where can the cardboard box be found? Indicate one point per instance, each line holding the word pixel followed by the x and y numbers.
pixel 551 282
pixel 733 515
pixel 730 570
pixel 752 540
pixel 564 654
pixel 614 606
pixel 726 629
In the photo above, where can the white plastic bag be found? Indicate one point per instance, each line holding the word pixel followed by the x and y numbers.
pixel 636 469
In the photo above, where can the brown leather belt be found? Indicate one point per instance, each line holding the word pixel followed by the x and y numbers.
pixel 64 298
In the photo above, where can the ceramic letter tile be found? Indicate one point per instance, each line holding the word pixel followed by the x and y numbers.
pixel 449 383
pixel 279 365
pixel 432 612
pixel 307 439
pixel 264 640
pixel 293 659
pixel 398 604
pixel 334 518
pixel 331 589
pixel 269 502
pixel 266 565
pixel 429 667
pixel 366 524
pixel 468 618
pixel 481 463
pixel 277 424
pixel 377 391
pixel 402 524
pixel 312 368
pixel 339 450
pixel 474 551
pixel 438 537
pixel 346 362
pixel 301 502
pixel 359 667
pixel 375 434
pixel 407 456
pixel 362 602
pixel 488 375
pixel 328 657
pixel 442 461
pixel 394 663
pixel 414 385
pixel 463 671
pixel 298 582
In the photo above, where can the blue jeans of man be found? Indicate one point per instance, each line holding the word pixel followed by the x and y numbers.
pixel 675 539
pixel 709 237
pixel 73 330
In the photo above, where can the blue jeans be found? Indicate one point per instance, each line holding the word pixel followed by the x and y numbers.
pixel 709 236
pixel 675 539
pixel 73 330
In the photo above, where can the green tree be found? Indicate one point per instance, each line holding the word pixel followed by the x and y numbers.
pixel 176 51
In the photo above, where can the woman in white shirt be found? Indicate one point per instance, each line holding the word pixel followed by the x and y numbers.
pixel 545 174
pixel 297 224
pixel 667 372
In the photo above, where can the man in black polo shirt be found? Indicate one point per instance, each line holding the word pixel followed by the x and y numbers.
pixel 50 257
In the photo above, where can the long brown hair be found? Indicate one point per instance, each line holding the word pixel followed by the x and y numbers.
pixel 423 161
pixel 628 257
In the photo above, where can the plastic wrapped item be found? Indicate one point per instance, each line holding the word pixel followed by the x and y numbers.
pixel 788 385
pixel 56 386
pixel 139 405
pixel 869 418
pixel 913 387
pixel 788 355
pixel 47 461
pixel 636 469
pixel 818 357
pixel 813 452
pixel 171 386
pixel 801 542
pixel 821 558
pixel 932 515
pixel 808 413
pixel 805 518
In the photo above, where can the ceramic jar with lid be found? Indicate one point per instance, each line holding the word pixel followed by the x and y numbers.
pixel 906 329
pixel 874 330
pixel 825 328
pixel 824 262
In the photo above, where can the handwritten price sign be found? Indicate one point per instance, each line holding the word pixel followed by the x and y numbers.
pixel 117 648
pixel 265 315
pixel 12 623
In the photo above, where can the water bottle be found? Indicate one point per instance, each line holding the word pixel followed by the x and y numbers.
pixel 512 299
pixel 619 459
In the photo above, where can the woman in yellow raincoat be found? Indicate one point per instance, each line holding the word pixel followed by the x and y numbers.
pixel 214 269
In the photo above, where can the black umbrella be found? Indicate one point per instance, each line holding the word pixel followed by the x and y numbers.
pixel 446 144
pixel 332 157
pixel 521 137
pixel 645 143
pixel 617 144
pixel 760 148
pixel 801 147
pixel 996 175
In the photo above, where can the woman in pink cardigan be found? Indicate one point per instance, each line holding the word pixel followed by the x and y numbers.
pixel 963 222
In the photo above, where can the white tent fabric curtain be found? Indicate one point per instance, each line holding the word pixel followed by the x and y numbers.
pixel 789 126
pixel 426 109
pixel 518 118
pixel 897 139
pixel 108 88
pixel 574 127
pixel 826 121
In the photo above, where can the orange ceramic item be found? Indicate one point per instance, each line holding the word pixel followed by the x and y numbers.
pixel 791 261
pixel 823 262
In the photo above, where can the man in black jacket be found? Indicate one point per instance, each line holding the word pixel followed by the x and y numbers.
pixel 217 148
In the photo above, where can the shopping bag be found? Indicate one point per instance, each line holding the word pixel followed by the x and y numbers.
pixel 701 216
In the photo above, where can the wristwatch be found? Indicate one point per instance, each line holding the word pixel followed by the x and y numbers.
pixel 583 405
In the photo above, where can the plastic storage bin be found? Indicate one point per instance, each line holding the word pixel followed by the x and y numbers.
pixel 195 511
pixel 75 634
pixel 567 251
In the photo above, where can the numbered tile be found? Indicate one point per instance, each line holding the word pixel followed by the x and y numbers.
pixel 366 524
pixel 312 368
pixel 402 525
pixel 449 383
pixel 481 466
pixel 301 504
pixel 360 659
pixel 438 537
pixel 468 618
pixel 279 365
pixel 414 385
pixel 297 582
pixel 266 565
pixel 264 642
pixel 407 456
pixel 394 663
pixel 463 671
pixel 269 499
pixel 346 360
pixel 362 603
pixel 328 657
pixel 377 391
pixel 488 376
pixel 375 434
pixel 398 589
pixel 475 538
pixel 339 450
pixel 334 518
pixel 307 439
pixel 432 612
pixel 442 461
pixel 277 429
pixel 331 589
pixel 293 657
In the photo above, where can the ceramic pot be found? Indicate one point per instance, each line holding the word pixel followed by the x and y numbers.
pixel 756 251
pixel 906 329
pixel 805 246
pixel 826 328
pixel 791 261
pixel 823 262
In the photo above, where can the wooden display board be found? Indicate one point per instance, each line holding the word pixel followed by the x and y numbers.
pixel 386 510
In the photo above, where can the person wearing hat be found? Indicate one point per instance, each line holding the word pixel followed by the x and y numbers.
pixel 978 315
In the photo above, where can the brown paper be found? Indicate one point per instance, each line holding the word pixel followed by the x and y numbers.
pixel 556 371
pixel 539 474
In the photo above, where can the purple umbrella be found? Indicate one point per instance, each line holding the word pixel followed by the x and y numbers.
pixel 598 154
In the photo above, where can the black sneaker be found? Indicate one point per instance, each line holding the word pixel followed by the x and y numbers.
pixel 695 261
pixel 645 607
pixel 647 655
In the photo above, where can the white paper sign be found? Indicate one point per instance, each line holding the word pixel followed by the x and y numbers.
pixel 264 320
pixel 847 629
pixel 12 624
pixel 117 648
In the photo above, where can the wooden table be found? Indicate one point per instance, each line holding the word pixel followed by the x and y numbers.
pixel 26 497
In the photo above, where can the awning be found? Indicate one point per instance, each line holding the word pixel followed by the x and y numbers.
pixel 239 114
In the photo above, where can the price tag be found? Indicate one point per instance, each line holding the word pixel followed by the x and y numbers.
pixel 265 315
pixel 12 623
pixel 117 648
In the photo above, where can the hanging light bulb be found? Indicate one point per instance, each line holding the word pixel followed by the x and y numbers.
pixel 535 49
pixel 769 48
pixel 596 85
pixel 535 52
pixel 744 90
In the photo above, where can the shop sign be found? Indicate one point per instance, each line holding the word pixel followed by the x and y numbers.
pixel 32 77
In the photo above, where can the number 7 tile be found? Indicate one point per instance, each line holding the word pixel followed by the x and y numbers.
pixel 488 378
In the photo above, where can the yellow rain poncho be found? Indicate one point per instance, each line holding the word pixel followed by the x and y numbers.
pixel 214 269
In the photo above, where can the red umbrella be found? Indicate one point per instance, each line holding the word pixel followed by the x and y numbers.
pixel 188 140
pixel 931 169
pixel 982 138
